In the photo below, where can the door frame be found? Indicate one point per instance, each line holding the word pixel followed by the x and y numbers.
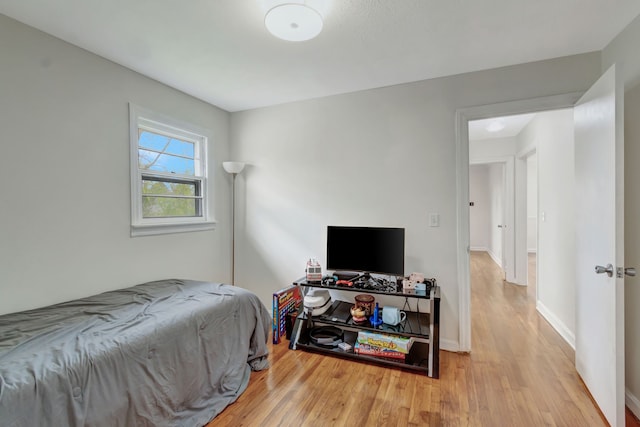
pixel 462 118
pixel 522 159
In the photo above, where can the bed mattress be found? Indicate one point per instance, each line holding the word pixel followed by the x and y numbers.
pixel 165 353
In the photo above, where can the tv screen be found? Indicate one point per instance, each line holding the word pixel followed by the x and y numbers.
pixel 366 249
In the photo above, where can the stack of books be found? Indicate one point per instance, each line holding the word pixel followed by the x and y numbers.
pixel 384 346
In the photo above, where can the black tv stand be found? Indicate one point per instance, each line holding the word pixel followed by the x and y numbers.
pixel 422 324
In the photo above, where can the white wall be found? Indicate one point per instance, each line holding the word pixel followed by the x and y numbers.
pixel 378 157
pixel 632 247
pixel 532 203
pixel 551 134
pixel 480 211
pixel 623 50
pixel 64 133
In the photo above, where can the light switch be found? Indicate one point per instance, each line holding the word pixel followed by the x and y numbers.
pixel 434 220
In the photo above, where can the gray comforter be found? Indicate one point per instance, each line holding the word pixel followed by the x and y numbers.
pixel 167 353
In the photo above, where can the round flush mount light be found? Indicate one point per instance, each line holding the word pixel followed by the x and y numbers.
pixel 293 22
pixel 496 125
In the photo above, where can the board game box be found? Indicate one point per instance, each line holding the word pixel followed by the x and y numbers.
pixel 285 301
pixel 383 341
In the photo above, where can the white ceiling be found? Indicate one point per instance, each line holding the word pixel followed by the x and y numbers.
pixel 480 130
pixel 220 52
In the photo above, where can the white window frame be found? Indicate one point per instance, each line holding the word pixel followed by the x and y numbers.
pixel 142 118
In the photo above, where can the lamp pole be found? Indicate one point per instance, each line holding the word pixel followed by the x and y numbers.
pixel 234 168
pixel 233 229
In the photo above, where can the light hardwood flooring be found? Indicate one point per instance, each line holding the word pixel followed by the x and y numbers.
pixel 520 373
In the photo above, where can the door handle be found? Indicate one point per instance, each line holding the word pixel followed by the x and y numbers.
pixel 608 269
pixel 629 271
pixel 620 272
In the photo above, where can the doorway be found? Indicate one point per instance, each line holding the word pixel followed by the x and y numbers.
pixel 541 141
pixel 487 210
pixel 516 224
pixel 596 187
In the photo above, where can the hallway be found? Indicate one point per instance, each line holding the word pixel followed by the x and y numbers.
pixel 520 370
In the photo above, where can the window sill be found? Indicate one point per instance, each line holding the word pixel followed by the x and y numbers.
pixel 170 228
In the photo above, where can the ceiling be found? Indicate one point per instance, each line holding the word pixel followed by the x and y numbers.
pixel 498 127
pixel 220 52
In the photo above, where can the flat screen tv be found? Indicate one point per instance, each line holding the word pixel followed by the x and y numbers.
pixel 366 249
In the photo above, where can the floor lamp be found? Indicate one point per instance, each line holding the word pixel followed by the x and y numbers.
pixel 234 168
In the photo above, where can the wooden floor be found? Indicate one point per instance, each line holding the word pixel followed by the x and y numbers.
pixel 520 373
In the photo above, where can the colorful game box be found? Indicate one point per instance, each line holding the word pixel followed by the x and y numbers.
pixel 385 342
pixel 285 301
pixel 370 350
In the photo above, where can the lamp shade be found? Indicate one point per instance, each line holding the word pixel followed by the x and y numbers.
pixel 293 22
pixel 233 167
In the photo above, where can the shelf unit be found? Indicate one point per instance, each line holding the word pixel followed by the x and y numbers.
pixel 422 326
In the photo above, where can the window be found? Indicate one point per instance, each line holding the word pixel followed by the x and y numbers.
pixel 168 175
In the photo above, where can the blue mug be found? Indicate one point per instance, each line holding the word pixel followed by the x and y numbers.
pixel 393 315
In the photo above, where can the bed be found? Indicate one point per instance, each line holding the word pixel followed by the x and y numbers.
pixel 165 353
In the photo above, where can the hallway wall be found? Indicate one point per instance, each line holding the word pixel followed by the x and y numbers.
pixel 551 135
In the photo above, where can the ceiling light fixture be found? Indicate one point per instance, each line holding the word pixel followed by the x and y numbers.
pixel 496 125
pixel 294 22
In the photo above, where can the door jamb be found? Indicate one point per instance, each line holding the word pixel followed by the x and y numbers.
pixel 522 158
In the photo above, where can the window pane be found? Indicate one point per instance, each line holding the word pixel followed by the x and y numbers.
pixel 149 160
pixel 152 140
pixel 181 148
pixel 162 207
pixel 157 142
pixel 161 187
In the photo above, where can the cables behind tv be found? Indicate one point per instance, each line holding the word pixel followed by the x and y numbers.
pixel 379 284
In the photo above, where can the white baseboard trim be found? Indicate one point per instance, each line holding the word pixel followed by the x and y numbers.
pixel 532 250
pixel 556 324
pixel 449 345
pixel 479 248
pixel 632 403
pixel 495 258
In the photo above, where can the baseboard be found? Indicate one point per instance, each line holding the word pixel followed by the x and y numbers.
pixel 632 403
pixel 532 251
pixel 557 324
pixel 479 248
pixel 449 345
pixel 495 258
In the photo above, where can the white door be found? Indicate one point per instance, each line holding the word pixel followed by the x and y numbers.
pixel 599 144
